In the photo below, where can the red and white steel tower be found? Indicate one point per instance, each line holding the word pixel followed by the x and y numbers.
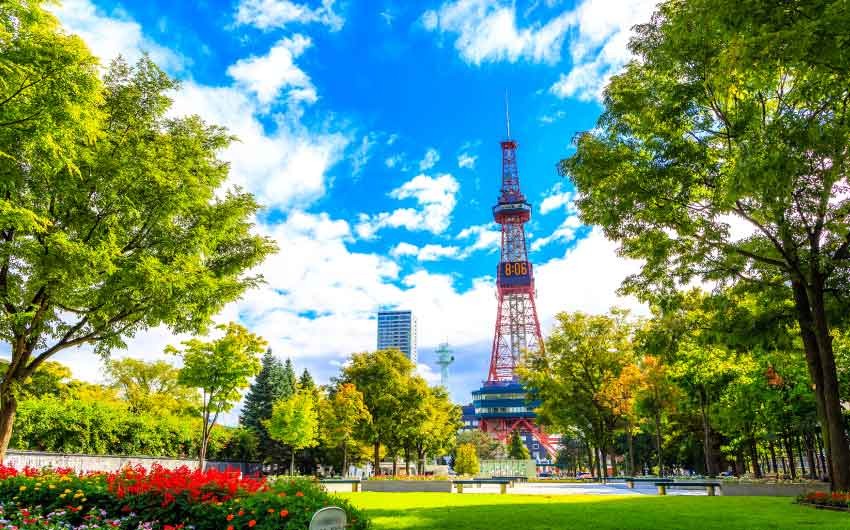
pixel 500 404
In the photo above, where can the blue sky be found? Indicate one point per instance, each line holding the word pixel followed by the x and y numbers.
pixel 370 130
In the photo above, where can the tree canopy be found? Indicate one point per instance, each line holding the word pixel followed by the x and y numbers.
pixel 220 369
pixel 112 214
pixel 722 155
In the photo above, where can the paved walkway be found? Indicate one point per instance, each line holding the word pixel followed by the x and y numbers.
pixel 613 488
pixel 554 488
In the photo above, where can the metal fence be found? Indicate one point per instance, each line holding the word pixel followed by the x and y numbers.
pixel 83 463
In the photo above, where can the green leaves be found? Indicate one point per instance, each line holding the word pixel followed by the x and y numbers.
pixel 222 367
pixel 295 420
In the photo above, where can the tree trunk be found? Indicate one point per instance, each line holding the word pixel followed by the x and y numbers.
pixel 377 470
pixel 772 450
pixel 407 461
pixel 597 468
pixel 658 444
pixel 420 453
pixel 754 456
pixel 790 453
pixel 810 455
pixel 292 463
pixel 803 469
pixel 814 329
pixel 395 464
pixel 604 461
pixel 818 439
pixel 629 439
pixel 8 408
pixel 706 434
pixel 590 464
pixel 344 459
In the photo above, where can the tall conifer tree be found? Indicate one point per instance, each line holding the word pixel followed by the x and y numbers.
pixel 274 382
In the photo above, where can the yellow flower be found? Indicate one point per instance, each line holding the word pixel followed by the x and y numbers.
pixel 52 486
pixel 67 491
pixel 62 496
pixel 22 488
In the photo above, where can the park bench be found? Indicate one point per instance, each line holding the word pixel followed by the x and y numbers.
pixel 630 481
pixel 710 486
pixel 512 478
pixel 502 482
pixel 355 482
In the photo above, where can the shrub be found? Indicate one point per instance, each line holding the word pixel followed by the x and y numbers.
pixel 466 461
pixel 162 499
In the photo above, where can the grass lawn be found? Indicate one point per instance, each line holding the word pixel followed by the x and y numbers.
pixel 446 511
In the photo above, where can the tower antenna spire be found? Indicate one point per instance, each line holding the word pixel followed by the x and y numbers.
pixel 507 114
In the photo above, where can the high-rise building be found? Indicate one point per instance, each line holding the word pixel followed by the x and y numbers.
pixel 397 329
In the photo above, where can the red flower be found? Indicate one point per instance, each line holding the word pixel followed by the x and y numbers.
pixel 284 513
pixel 299 494
pixel 251 523
pixel 230 517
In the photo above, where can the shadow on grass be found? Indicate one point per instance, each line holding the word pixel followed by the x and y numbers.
pixel 526 512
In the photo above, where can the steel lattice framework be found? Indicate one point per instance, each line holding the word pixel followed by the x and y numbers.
pixel 500 404
pixel 517 326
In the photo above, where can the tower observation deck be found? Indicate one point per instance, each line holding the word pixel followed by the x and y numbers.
pixel 501 404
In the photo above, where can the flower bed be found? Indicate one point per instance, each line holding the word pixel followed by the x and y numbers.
pixel 834 501
pixel 161 499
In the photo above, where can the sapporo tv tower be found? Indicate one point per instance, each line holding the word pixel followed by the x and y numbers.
pixel 500 404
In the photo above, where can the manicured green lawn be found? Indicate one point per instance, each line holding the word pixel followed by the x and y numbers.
pixel 444 511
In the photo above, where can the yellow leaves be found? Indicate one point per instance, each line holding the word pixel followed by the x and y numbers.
pixel 22 220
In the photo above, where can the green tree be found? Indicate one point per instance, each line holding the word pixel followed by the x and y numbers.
pixel 584 356
pixel 290 380
pixel 516 447
pixel 151 386
pixel 486 447
pixel 466 461
pixel 112 219
pixel 734 114
pixel 341 416
pixel 382 377
pixel 271 385
pixel 437 433
pixel 306 382
pixel 220 368
pixel 656 395
pixel 295 422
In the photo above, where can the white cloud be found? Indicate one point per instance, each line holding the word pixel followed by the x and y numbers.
pixel 555 198
pixel 429 252
pixel 487 31
pixel 363 153
pixel 268 14
pixel 585 279
pixel 435 197
pixel 286 167
pixel 466 160
pixel 553 117
pixel 111 34
pixel 404 249
pixel 267 75
pixel 566 232
pixel 432 156
pixel 600 48
pixel 485 237
pixel 398 161
pixel 387 16
pixel 428 374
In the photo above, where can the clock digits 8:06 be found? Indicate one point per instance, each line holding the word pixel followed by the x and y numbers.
pixel 516 268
